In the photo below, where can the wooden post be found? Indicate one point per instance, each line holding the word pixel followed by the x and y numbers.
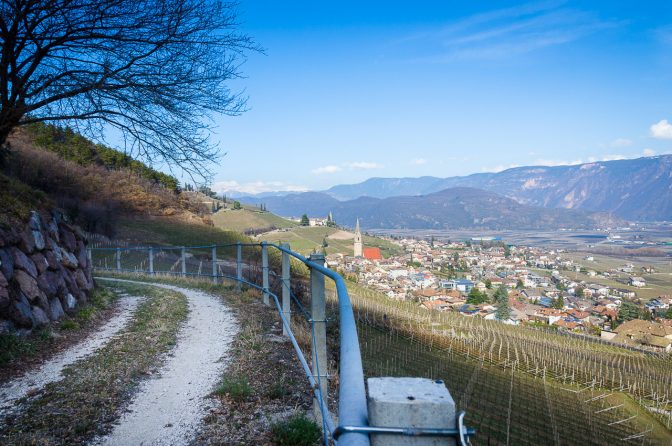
pixel 118 259
pixel 151 260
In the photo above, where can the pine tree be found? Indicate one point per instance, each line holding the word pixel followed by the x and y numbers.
pixel 503 312
pixel 305 221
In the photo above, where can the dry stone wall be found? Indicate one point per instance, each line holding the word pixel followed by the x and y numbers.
pixel 44 272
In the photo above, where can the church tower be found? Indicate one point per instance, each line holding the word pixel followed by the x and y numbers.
pixel 359 247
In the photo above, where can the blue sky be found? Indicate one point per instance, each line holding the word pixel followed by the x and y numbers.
pixel 350 90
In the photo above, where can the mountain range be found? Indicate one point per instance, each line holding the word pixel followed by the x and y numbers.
pixel 634 189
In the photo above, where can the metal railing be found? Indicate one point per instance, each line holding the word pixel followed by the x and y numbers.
pixel 229 262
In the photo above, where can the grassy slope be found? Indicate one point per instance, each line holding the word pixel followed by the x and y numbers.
pixel 170 231
pixel 307 239
pixel 17 200
pixel 249 219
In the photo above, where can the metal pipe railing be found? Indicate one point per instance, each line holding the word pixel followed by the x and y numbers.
pixel 353 420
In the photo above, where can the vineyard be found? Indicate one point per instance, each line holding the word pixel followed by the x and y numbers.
pixel 521 385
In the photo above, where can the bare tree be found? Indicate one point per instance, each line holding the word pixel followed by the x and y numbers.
pixel 154 70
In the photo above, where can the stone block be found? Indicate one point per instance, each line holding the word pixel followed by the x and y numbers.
pixel 40 262
pixel 55 309
pixel 21 313
pixel 22 261
pixel 412 403
pixel 28 285
pixel 7 263
pixel 39 316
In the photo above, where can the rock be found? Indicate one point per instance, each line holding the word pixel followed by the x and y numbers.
pixel 68 238
pixel 22 314
pixel 70 302
pixel 40 318
pixel 28 285
pixel 4 292
pixel 40 262
pixel 82 254
pixel 35 221
pixel 38 238
pixel 6 263
pixel 68 259
pixel 27 243
pixel 81 280
pixel 52 260
pixel 49 282
pixel 21 261
pixel 52 230
pixel 6 327
pixel 55 309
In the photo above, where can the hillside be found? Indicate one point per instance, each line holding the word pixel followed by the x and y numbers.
pixel 249 220
pixel 305 240
pixel 634 189
pixel 98 188
pixel 448 209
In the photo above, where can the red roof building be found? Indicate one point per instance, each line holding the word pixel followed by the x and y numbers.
pixel 372 254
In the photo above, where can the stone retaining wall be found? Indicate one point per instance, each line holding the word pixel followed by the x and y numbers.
pixel 44 272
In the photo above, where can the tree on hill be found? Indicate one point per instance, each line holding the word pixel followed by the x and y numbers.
pixel 558 303
pixel 668 314
pixel 488 284
pixel 628 311
pixel 237 206
pixel 475 297
pixel 500 293
pixel 305 221
pixel 503 311
pixel 155 71
pixel 578 291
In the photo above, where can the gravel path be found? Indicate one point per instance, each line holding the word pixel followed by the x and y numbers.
pixel 34 380
pixel 168 410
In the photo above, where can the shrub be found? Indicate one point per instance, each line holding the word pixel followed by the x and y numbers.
pixel 296 431
pixel 237 387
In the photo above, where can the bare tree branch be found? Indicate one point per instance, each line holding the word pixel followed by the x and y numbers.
pixel 155 70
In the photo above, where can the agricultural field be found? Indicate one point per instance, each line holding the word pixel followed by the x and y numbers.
pixel 657 283
pixel 521 385
pixel 249 219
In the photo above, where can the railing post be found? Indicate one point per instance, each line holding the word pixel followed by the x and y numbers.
pixel 264 271
pixel 286 290
pixel 151 261
pixel 239 265
pixel 89 256
pixel 214 264
pixel 183 256
pixel 118 259
pixel 318 314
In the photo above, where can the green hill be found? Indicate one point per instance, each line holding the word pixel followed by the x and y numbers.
pixel 249 219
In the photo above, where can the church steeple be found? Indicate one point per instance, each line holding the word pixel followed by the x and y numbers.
pixel 359 247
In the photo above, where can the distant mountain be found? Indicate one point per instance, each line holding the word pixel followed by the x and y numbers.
pixel 636 189
pixel 452 208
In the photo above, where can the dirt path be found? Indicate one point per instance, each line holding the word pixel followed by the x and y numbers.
pixel 34 380
pixel 168 410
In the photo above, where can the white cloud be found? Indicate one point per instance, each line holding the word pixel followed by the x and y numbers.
pixel 327 169
pixel 419 161
pixel 648 152
pixel 620 142
pixel 364 165
pixel 661 130
pixel 499 168
pixel 256 187
pixel 593 159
